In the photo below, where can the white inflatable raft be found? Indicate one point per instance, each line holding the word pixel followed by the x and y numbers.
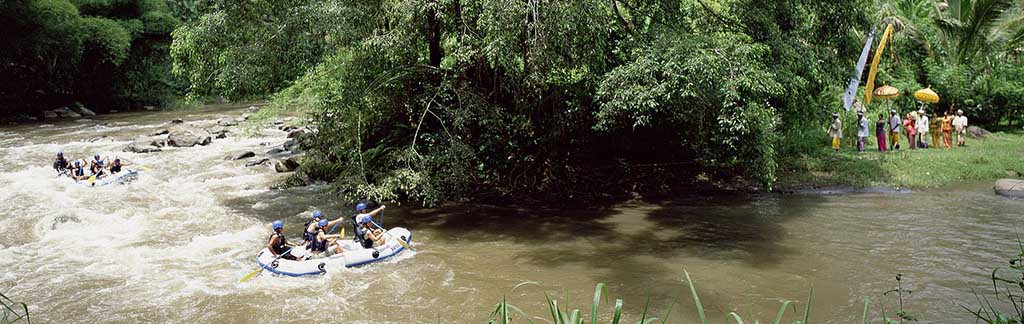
pixel 355 255
pixel 122 177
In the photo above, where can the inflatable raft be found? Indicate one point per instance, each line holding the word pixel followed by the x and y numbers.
pixel 355 255
pixel 122 177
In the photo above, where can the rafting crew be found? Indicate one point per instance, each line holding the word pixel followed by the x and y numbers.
pixel 97 167
pixel 309 232
pixel 362 223
pixel 78 171
pixel 61 164
pixel 278 244
pixel 322 241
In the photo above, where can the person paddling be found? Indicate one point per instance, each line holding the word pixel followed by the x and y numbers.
pixel 278 244
pixel 322 241
pixel 310 229
pixel 115 166
pixel 97 167
pixel 365 233
pixel 78 171
pixel 61 165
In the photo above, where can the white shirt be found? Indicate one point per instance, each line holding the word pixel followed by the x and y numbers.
pixel 960 122
pixel 922 124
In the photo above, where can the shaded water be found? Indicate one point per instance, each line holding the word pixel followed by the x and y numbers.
pixel 171 246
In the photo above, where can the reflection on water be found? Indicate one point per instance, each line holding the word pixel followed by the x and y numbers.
pixel 171 246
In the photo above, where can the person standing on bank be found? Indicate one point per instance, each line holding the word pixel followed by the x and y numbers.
pixel 935 128
pixel 880 127
pixel 947 130
pixel 862 131
pixel 836 131
pixel 922 129
pixel 960 126
pixel 894 130
pixel 911 125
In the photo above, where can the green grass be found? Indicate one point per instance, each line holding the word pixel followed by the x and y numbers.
pixel 13 312
pixel 986 159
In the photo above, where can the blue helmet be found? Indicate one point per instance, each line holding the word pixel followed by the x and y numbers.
pixel 77 163
pixel 97 156
pixel 278 224
pixel 360 206
pixel 59 153
pixel 317 214
pixel 321 223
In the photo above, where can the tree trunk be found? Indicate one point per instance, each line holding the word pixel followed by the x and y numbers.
pixel 434 35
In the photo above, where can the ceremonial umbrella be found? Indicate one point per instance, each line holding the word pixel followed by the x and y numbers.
pixel 927 95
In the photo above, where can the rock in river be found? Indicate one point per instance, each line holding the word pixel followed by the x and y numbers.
pixel 286 165
pixel 187 136
pixel 241 155
pixel 257 162
pixel 143 144
pixel 1010 188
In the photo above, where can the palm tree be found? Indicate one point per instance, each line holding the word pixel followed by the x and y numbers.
pixel 915 17
pixel 970 27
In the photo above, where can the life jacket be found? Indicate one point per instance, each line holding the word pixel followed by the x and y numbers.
pixel 357 230
pixel 115 168
pixel 306 234
pixel 79 172
pixel 316 245
pixel 282 243
pixel 60 164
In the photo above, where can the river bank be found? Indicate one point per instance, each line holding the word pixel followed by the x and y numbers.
pixel 999 155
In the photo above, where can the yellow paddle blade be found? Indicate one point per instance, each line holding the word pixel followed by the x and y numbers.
pixel 250 275
pixel 92 179
pixel 342 232
pixel 403 243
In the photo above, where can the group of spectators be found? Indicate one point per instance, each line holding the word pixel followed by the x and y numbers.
pixel 916 126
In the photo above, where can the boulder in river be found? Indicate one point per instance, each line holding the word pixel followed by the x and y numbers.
pixel 241 155
pixel 227 121
pixel 977 132
pixel 296 133
pixel 286 165
pixel 277 152
pixel 257 162
pixel 1010 188
pixel 291 145
pixel 161 132
pixel 65 112
pixel 80 109
pixel 177 121
pixel 143 144
pixel 188 136
pixel 218 131
pixel 50 114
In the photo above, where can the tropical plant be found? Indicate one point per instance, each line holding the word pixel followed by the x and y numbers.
pixel 13 312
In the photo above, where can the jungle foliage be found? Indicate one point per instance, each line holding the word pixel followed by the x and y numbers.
pixel 431 100
pixel 107 54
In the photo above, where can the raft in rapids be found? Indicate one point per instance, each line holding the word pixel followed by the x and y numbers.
pixel 355 255
pixel 122 177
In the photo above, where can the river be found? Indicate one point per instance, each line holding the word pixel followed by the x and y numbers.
pixel 172 246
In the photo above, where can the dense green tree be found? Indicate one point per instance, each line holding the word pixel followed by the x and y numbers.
pixel 107 54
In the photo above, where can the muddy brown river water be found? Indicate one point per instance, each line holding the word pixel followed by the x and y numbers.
pixel 171 246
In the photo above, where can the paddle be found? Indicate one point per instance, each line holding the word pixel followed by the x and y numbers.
pixel 402 242
pixel 249 276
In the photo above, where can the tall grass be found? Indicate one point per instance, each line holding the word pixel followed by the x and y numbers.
pixel 561 314
pixel 13 312
pixel 1007 286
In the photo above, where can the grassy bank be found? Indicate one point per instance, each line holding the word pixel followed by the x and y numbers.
pixel 998 156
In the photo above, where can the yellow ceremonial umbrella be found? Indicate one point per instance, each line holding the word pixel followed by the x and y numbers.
pixel 927 95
